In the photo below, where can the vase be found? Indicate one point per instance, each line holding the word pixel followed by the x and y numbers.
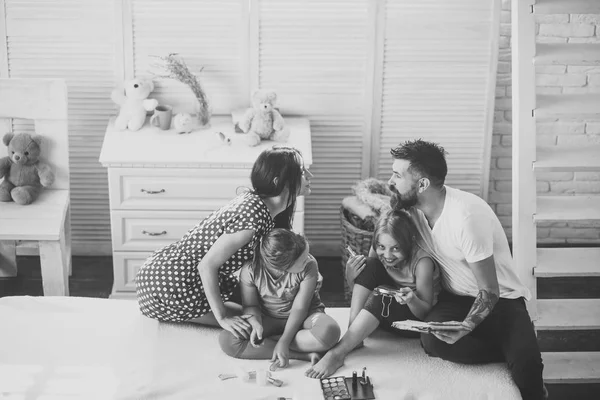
pixel 202 116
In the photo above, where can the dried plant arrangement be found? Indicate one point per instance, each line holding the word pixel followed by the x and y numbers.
pixel 173 66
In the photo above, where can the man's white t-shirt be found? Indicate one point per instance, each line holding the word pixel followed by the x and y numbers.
pixel 468 231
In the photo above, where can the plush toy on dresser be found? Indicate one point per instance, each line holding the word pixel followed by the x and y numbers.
pixel 134 102
pixel 24 175
pixel 183 123
pixel 262 121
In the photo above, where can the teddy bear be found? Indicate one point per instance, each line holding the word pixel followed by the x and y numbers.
pixel 132 98
pixel 262 121
pixel 24 175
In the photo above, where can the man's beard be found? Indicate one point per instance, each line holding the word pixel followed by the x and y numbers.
pixel 403 202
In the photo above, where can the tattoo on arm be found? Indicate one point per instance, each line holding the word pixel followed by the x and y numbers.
pixel 483 305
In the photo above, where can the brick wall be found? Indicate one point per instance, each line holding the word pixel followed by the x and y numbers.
pixel 560 28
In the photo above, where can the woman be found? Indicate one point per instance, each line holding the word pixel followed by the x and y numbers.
pixel 193 279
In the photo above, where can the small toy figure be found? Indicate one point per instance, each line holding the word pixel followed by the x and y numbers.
pixel 134 102
pixel 183 123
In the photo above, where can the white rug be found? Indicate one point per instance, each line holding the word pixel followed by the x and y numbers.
pixel 80 348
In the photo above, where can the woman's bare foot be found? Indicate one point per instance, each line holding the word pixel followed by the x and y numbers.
pixel 330 363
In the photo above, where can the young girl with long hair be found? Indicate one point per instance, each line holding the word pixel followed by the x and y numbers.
pixel 193 279
pixel 280 296
pixel 400 264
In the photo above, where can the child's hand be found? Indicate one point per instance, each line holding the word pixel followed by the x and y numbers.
pixel 281 356
pixel 451 337
pixel 354 267
pixel 256 336
pixel 256 339
pixel 405 296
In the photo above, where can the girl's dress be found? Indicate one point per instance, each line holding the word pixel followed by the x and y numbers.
pixel 168 285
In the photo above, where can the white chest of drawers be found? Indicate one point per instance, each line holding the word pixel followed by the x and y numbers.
pixel 161 184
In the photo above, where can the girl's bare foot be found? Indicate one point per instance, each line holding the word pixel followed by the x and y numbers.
pixel 330 363
pixel 314 358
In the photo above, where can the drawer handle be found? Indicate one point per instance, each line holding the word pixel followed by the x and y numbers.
pixel 154 233
pixel 153 191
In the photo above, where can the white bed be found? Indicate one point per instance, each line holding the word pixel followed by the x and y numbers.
pixel 82 348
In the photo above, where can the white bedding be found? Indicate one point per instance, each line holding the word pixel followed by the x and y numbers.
pixel 82 348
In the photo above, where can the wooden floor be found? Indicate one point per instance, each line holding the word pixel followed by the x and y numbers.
pixel 92 277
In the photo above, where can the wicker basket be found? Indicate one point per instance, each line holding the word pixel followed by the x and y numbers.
pixel 358 240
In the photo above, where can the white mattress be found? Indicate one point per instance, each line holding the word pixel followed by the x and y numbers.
pixel 82 348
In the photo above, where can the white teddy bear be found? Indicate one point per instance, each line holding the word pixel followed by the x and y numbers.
pixel 132 98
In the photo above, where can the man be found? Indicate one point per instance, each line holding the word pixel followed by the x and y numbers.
pixel 481 288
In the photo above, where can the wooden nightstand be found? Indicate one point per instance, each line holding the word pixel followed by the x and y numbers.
pixel 162 183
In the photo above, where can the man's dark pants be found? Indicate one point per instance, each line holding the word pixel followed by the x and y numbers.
pixel 505 335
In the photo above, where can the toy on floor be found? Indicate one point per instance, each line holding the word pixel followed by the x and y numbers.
pixel 260 377
pixel 24 174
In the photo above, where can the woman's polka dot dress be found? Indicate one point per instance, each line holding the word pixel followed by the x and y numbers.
pixel 168 284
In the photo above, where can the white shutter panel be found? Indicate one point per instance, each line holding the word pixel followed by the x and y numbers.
pixel 209 33
pixel 439 74
pixel 313 54
pixel 73 40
